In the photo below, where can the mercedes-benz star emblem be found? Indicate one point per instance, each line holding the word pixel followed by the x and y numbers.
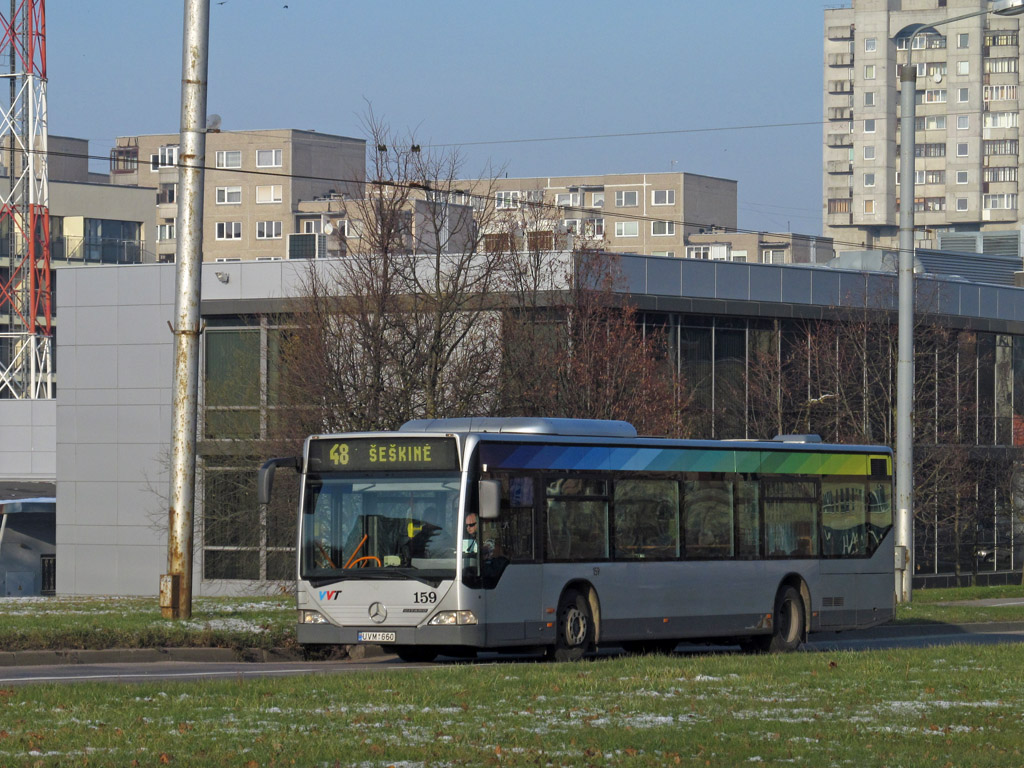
pixel 378 613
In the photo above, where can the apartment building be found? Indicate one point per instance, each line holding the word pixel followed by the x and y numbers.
pixel 642 213
pixel 967 120
pixel 254 183
pixel 760 247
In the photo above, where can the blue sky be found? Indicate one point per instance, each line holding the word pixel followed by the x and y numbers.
pixel 462 72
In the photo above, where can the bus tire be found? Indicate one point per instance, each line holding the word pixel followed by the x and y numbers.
pixel 416 654
pixel 787 622
pixel 575 628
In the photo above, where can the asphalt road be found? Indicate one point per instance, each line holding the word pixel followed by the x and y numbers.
pixel 188 671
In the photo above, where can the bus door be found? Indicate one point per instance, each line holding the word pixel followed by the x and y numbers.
pixel 509 566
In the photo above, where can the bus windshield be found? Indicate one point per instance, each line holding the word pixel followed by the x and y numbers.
pixel 380 527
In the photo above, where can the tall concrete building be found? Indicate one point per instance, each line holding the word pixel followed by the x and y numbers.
pixel 254 183
pixel 967 121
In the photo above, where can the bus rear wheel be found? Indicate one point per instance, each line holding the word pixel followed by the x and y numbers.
pixel 575 629
pixel 416 653
pixel 787 625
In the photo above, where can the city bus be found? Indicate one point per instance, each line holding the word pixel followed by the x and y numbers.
pixel 452 536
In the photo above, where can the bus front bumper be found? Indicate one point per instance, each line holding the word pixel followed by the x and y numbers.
pixel 328 634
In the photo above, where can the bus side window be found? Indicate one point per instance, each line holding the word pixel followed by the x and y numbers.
pixel 844 531
pixel 646 519
pixel 577 528
pixel 791 518
pixel 512 533
pixel 707 514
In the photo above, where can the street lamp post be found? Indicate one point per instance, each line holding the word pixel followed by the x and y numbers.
pixel 905 324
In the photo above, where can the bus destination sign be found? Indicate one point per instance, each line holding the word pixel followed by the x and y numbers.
pixel 373 455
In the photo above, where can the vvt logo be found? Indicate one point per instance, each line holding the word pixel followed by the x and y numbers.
pixel 329 594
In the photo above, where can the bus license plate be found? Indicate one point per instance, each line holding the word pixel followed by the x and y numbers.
pixel 376 637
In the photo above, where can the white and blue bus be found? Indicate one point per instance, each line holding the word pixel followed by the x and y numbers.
pixel 451 536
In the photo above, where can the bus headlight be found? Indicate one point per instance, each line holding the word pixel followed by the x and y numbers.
pixel 311 617
pixel 448 618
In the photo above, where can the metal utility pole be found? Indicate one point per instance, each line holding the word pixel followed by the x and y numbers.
pixel 905 323
pixel 176 584
pixel 26 325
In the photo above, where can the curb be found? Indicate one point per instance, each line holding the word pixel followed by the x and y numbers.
pixel 153 655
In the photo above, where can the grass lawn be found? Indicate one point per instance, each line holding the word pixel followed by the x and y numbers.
pixel 953 706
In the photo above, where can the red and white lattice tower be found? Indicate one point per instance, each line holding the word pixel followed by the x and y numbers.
pixel 26 319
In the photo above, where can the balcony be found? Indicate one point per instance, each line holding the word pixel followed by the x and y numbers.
pixel 839 166
pixel 840 113
pixel 840 86
pixel 841 32
pixel 840 140
pixel 840 59
pixel 79 250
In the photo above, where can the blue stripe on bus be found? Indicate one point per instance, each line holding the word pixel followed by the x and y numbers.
pixel 645 459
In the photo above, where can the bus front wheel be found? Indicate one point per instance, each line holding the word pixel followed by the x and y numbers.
pixel 575 630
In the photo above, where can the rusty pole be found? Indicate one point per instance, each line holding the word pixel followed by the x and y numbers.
pixel 176 584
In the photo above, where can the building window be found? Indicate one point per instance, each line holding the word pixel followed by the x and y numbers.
pixel 229 195
pixel 961 177
pixel 963 40
pixel 228 158
pixel 269 158
pixel 930 123
pixel 1006 173
pixel 961 149
pixel 663 228
pixel 963 122
pixel 627 228
pixel 999 93
pixel 935 96
pixel 567 198
pixel 593 227
pixel 963 95
pixel 166 157
pixel 869 206
pixel 869 152
pixel 698 252
pixel 869 179
pixel 312 227
pixel 773 256
pixel 869 71
pixel 229 230
pixel 870 44
pixel 663 197
pixel 271 193
pixel 597 199
pixel 869 126
pixel 930 150
pixel 166 194
pixel 506 200
pixel 963 67
pixel 1002 37
pixel 1001 119
pixel 961 203
pixel 929 204
pixel 571 225
pixel 268 230
pixel 626 199
pixel 869 98
pixel 1004 202
pixel 165 232
pixel 667 254
pixel 1000 147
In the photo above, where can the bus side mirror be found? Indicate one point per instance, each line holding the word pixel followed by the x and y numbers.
pixel 265 478
pixel 490 499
